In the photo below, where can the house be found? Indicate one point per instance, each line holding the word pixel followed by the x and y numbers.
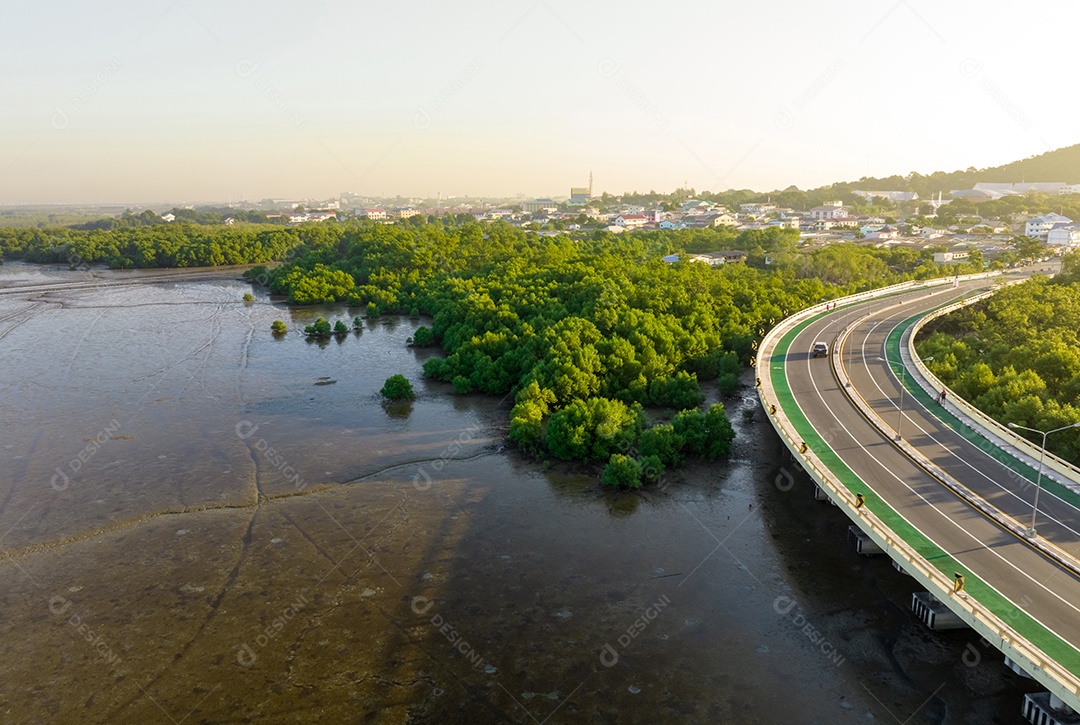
pixel 670 259
pixel 828 211
pixel 704 221
pixel 614 229
pixel 374 214
pixel 1040 226
pixel 950 257
pixel 168 217
pixel 229 221
pixel 404 212
pixel 757 209
pixel 668 224
pixel 715 259
pixel 698 207
pixel 785 222
pixel 885 232
pixel 1064 235
pixel 631 221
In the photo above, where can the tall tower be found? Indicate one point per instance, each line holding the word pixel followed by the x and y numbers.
pixel 590 184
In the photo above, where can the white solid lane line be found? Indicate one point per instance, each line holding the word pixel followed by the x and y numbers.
pixel 954 523
pixel 964 461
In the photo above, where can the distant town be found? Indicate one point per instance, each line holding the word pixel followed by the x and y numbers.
pixel 952 228
pixel 818 226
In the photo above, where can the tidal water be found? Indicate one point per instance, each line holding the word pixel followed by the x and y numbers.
pixel 200 522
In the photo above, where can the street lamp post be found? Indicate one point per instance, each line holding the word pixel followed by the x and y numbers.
pixel 1042 457
pixel 903 379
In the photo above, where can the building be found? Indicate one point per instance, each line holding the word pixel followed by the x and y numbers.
pixel 668 224
pixel 168 217
pixel 985 190
pixel 405 212
pixel 885 232
pixel 893 196
pixel 539 205
pixel 631 221
pixel 828 211
pixel 950 257
pixel 374 214
pixel 757 208
pixel 1040 226
pixel 715 259
pixel 1021 187
pixel 1064 235
pixel 580 195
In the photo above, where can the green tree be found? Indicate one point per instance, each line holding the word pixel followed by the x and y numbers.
pixel 319 328
pixel 622 472
pixel 397 387
pixel 279 327
pixel 1029 248
pixel 662 442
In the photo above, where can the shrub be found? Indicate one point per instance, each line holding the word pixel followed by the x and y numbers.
pixel 398 387
pixel 423 337
pixel 662 442
pixel 279 327
pixel 622 471
pixel 729 384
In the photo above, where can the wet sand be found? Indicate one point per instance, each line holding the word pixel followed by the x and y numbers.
pixel 249 545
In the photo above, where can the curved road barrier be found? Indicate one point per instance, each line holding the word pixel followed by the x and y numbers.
pixel 939 505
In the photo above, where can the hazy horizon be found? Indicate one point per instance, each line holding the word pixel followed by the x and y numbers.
pixel 192 101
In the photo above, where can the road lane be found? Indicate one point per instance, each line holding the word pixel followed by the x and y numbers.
pixel 1032 583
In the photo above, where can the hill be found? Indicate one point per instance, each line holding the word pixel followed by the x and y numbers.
pixel 1059 165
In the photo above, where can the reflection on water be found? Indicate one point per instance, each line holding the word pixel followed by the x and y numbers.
pixel 249 532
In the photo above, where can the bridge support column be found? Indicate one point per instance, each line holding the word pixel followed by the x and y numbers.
pixel 933 613
pixel 819 494
pixel 863 544
pixel 896 565
pixel 1016 668
pixel 1044 708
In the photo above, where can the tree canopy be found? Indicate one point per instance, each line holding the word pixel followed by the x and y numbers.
pixel 1016 355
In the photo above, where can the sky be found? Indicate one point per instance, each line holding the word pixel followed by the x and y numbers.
pixel 184 101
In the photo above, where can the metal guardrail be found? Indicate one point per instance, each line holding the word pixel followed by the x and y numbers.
pixel 1060 466
pixel 993 628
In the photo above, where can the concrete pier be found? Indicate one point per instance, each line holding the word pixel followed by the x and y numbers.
pixel 1043 708
pixel 863 544
pixel 933 613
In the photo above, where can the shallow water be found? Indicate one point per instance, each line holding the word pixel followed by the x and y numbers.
pixel 201 521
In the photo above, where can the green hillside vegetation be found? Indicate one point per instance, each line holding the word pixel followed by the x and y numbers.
pixel 1016 355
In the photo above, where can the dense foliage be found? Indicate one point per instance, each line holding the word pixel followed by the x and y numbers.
pixel 1016 355
pixel 172 245
pixel 585 334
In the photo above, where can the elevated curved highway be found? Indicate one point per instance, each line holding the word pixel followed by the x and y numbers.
pixel 939 501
